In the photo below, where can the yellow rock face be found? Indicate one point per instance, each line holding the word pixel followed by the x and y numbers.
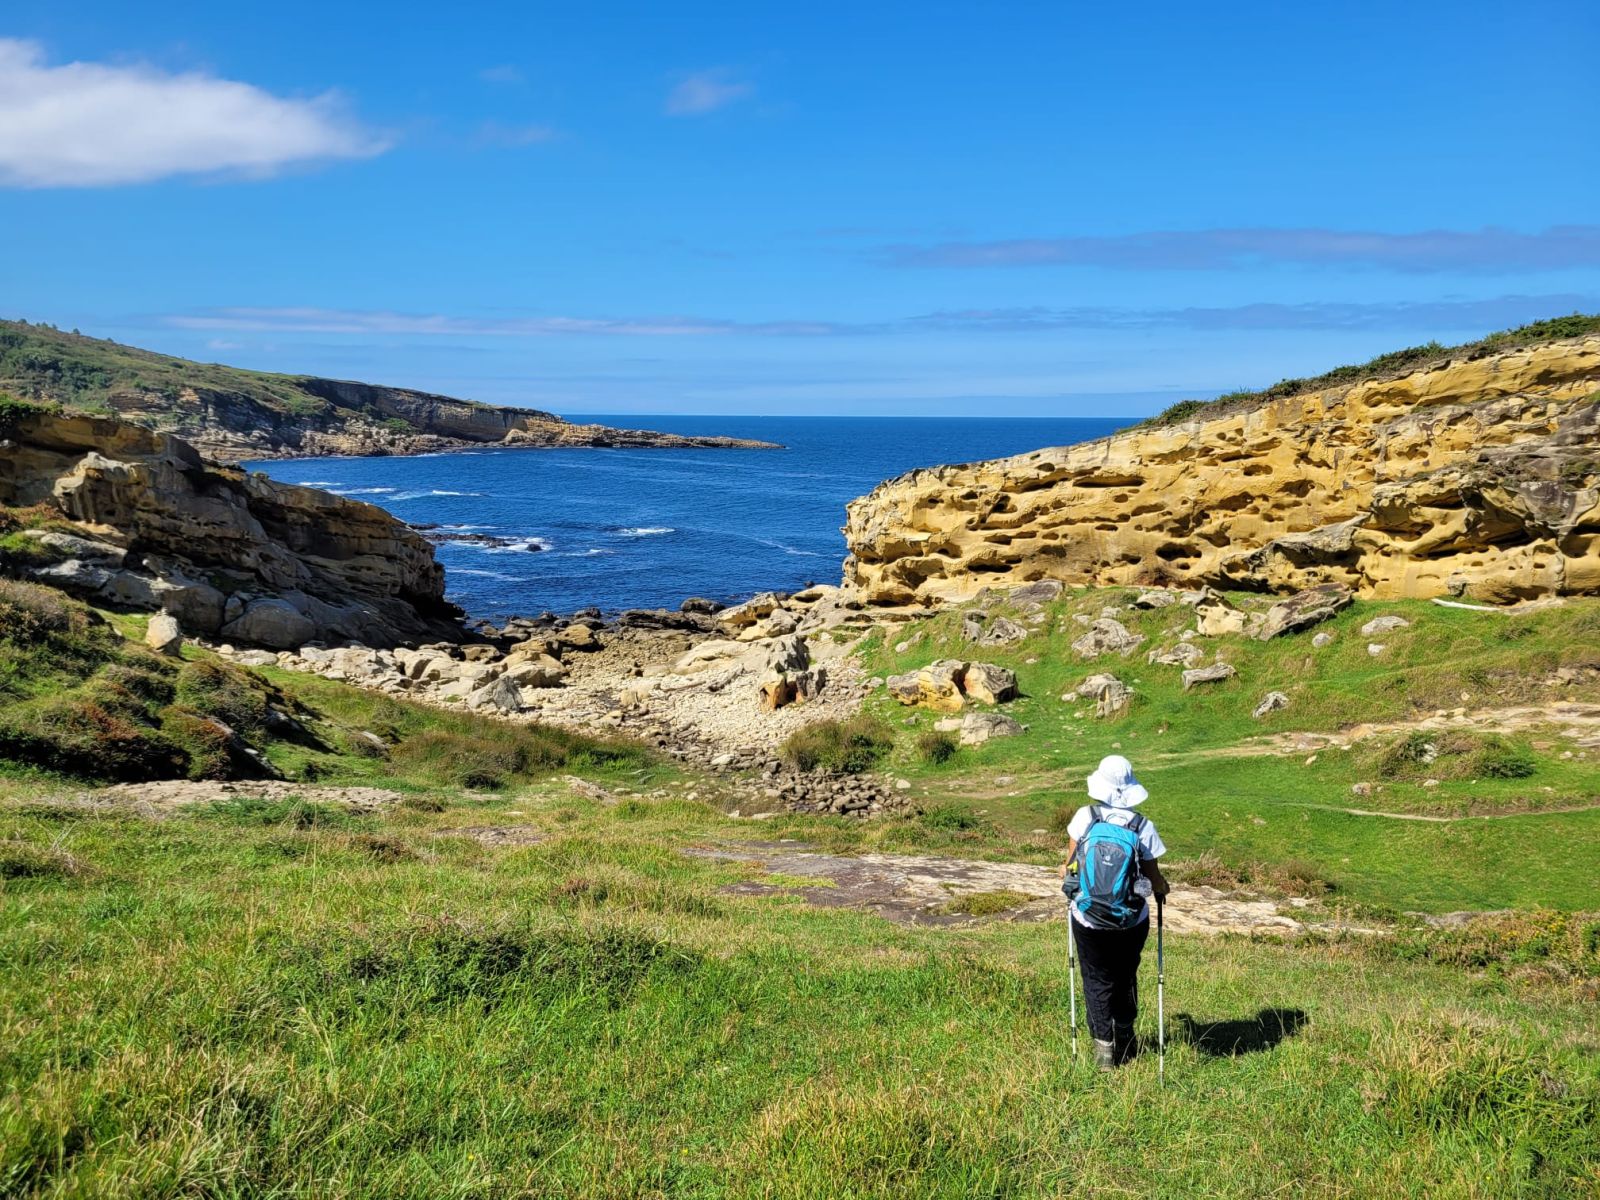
pixel 1478 478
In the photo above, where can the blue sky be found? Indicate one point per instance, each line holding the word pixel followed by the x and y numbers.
pixel 918 209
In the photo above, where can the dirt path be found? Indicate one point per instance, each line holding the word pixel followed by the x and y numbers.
pixel 917 890
pixel 1438 820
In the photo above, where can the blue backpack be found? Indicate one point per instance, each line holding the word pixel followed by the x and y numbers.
pixel 1107 858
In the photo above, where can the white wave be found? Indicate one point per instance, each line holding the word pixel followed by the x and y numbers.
pixel 525 545
pixel 794 550
pixel 490 575
pixel 590 553
pixel 327 483
pixel 371 491
pixel 646 530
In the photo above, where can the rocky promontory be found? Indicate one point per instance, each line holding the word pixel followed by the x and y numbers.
pixel 235 415
pixel 1476 476
pixel 132 518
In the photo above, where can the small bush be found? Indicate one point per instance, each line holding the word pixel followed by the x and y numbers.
pixel 986 904
pixel 30 612
pixel 1500 759
pixel 233 696
pixel 850 746
pixel 76 736
pixel 203 741
pixel 935 747
pixel 149 683
pixel 956 818
pixel 497 755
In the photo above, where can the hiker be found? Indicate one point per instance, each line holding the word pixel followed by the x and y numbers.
pixel 1110 867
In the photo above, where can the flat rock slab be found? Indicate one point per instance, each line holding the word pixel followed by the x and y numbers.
pixel 168 795
pixel 496 835
pixel 914 889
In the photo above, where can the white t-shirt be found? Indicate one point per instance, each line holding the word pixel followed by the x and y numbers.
pixel 1150 847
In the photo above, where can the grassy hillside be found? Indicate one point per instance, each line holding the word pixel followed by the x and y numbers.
pixel 40 362
pixel 1247 813
pixel 506 983
pixel 1394 363
pixel 250 999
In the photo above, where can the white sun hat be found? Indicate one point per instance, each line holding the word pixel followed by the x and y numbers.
pixel 1113 783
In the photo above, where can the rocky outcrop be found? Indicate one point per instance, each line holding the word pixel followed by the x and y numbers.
pixel 228 553
pixel 1479 477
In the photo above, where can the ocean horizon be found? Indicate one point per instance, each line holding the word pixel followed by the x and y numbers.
pixel 618 529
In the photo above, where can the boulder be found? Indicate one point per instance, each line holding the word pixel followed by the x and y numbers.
pixel 988 683
pixel 741 616
pixel 89 550
pixel 781 623
pixel 700 606
pixel 1107 636
pixel 1041 591
pixel 978 727
pixel 1095 686
pixel 1155 598
pixel 535 675
pixel 579 637
pixel 788 655
pixel 1271 702
pixel 706 654
pixel 1002 631
pixel 936 686
pixel 1304 609
pixel 500 694
pixel 1322 639
pixel 1113 700
pixel 1386 624
pixel 972 626
pixel 163 634
pixel 1215 616
pixel 271 622
pixel 1184 654
pixel 1215 673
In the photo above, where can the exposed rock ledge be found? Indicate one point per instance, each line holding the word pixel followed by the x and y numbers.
pixel 1478 478
pixel 228 553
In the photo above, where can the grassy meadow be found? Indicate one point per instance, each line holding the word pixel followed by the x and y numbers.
pixel 276 998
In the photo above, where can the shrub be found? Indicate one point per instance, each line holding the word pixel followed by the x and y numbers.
pixel 29 612
pixel 986 904
pixel 850 746
pixel 83 737
pixel 148 681
pixel 234 697
pixel 496 755
pixel 1500 759
pixel 202 740
pixel 936 747
pixel 957 818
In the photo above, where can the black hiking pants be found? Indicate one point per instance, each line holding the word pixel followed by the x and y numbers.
pixel 1110 962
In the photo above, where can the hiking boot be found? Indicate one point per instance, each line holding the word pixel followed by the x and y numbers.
pixel 1105 1056
pixel 1124 1045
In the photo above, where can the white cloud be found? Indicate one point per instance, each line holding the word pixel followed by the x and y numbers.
pixel 704 92
pixel 86 124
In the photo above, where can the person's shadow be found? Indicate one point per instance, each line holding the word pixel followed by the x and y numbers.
pixel 1225 1039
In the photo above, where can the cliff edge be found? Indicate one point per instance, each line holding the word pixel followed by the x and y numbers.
pixel 1477 476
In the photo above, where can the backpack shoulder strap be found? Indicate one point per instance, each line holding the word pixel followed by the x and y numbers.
pixel 1096 814
pixel 1137 823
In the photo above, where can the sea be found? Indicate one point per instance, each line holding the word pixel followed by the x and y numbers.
pixel 619 529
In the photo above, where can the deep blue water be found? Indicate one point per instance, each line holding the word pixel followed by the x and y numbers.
pixel 645 528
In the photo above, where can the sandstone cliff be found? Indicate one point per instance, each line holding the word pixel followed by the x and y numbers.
pixel 139 519
pixel 1477 477
pixel 232 414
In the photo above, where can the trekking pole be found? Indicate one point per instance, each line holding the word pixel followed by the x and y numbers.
pixel 1072 978
pixel 1161 998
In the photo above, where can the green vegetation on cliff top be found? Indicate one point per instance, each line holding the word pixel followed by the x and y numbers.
pixel 1395 363
pixel 40 362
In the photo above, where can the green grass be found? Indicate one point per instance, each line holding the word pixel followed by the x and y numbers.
pixel 1396 362
pixel 250 1001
